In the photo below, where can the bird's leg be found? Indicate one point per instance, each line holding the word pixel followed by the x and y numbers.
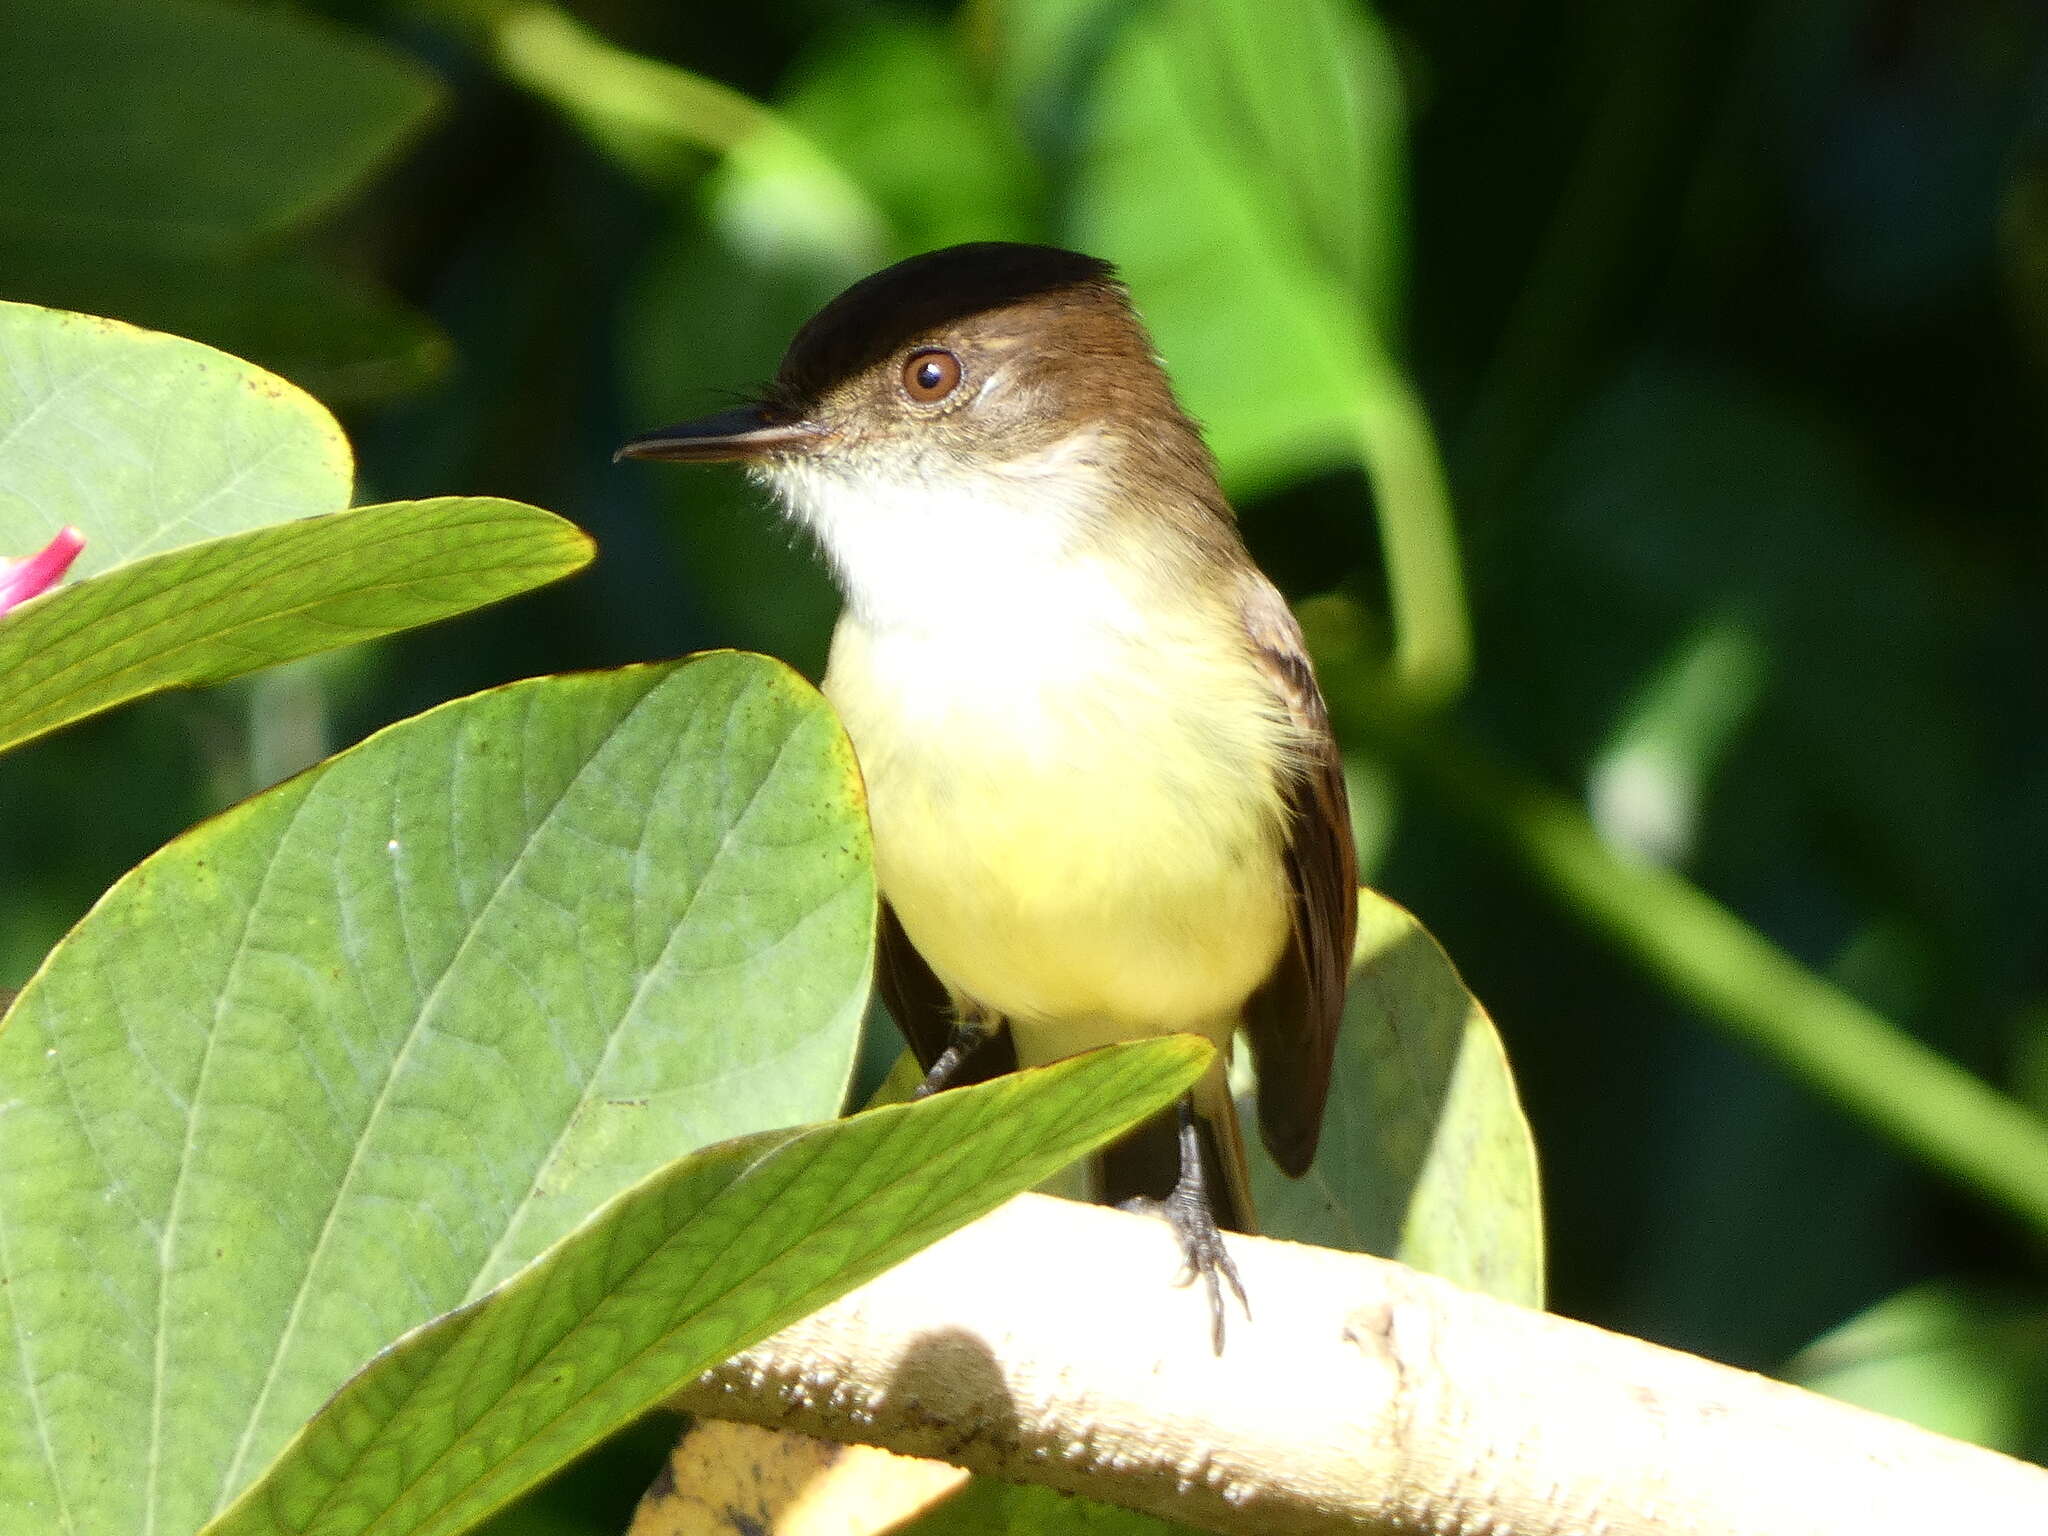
pixel 969 1030
pixel 1193 1220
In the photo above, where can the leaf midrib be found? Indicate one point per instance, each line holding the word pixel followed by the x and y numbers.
pixel 167 1243
pixel 426 1006
pixel 640 989
pixel 165 659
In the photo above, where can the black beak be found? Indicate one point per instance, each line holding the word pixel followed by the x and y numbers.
pixel 750 432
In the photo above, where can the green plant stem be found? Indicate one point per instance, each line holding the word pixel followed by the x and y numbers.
pixel 644 112
pixel 1432 655
pixel 1847 1052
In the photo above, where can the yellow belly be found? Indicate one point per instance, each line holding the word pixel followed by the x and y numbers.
pixel 1087 843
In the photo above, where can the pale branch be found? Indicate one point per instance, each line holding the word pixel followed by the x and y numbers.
pixel 1047 1344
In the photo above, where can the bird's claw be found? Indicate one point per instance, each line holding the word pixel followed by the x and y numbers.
pixel 1202 1250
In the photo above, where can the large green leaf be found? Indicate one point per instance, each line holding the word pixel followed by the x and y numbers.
pixel 699 1261
pixel 187 125
pixel 347 1055
pixel 1425 1156
pixel 1307 99
pixel 212 611
pixel 147 442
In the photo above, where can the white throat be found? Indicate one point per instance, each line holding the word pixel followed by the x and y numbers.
pixel 919 548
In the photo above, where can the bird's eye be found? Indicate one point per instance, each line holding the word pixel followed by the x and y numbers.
pixel 930 374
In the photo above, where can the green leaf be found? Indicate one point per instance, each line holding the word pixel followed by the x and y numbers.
pixel 701 1260
pixel 216 610
pixel 1275 373
pixel 1963 1360
pixel 1226 138
pixel 177 125
pixel 148 442
pixel 195 477
pixel 1307 98
pixel 1425 1156
pixel 352 1052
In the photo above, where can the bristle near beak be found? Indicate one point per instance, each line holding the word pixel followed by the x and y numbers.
pixel 750 432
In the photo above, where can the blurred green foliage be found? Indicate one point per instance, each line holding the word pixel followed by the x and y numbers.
pixel 157 158
pixel 1732 322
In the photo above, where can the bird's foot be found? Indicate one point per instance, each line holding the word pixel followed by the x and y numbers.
pixel 966 1038
pixel 1203 1254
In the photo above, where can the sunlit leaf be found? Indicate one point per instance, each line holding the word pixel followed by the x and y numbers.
pixel 208 612
pixel 347 1055
pixel 1425 1156
pixel 695 1263
pixel 147 442
pixel 194 477
pixel 1307 99
pixel 1269 362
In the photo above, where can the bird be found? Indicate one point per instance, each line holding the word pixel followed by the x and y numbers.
pixel 1105 796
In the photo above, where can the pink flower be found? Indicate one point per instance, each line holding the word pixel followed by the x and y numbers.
pixel 21 580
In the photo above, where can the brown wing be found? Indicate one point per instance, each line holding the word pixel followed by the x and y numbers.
pixel 922 1008
pixel 1292 1020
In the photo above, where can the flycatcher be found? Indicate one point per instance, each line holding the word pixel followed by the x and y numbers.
pixel 1105 797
